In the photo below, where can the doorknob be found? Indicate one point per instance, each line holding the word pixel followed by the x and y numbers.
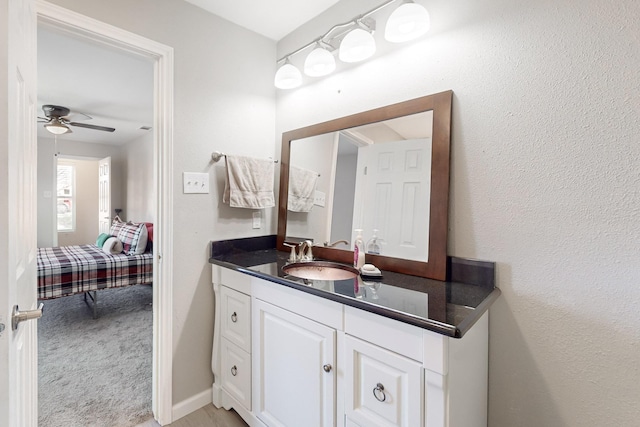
pixel 19 316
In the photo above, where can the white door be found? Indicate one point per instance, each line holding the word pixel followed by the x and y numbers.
pixel 393 189
pixel 294 369
pixel 104 195
pixel 18 349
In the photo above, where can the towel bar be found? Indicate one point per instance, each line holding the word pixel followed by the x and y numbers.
pixel 217 155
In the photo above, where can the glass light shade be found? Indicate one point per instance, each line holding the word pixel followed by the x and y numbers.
pixel 357 46
pixel 288 77
pixel 56 128
pixel 409 21
pixel 320 62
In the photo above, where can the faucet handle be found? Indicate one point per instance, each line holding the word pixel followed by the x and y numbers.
pixel 293 257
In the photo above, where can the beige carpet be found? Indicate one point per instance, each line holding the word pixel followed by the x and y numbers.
pixel 96 372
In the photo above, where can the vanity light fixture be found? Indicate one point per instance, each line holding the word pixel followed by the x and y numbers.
pixel 288 76
pixel 356 42
pixel 408 22
pixel 320 62
pixel 56 127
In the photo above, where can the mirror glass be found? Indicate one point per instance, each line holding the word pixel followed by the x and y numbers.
pixel 384 171
pixel 374 177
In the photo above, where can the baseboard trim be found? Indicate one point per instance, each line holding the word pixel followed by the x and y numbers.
pixel 191 404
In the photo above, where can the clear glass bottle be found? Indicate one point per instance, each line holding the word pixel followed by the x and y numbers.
pixel 373 245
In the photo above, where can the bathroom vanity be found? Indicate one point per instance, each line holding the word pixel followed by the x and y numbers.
pixel 400 351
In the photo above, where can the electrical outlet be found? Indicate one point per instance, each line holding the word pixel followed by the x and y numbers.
pixel 318 198
pixel 257 220
pixel 194 182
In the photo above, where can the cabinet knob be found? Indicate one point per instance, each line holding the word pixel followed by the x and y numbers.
pixel 234 370
pixel 327 367
pixel 378 393
pixel 234 317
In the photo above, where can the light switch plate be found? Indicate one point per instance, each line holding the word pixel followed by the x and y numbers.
pixel 257 220
pixel 318 198
pixel 195 182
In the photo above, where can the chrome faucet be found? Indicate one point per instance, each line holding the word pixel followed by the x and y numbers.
pixel 304 252
pixel 327 245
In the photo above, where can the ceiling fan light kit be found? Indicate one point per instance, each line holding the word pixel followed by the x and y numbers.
pixel 407 22
pixel 56 120
pixel 57 128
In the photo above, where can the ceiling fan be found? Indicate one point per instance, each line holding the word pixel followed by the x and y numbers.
pixel 57 120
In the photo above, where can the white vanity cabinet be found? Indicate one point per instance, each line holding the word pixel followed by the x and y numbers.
pixel 231 358
pixel 317 362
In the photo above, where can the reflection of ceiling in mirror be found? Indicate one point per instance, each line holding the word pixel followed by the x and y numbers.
pixel 415 126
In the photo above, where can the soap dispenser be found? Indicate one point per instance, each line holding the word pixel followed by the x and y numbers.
pixel 373 246
pixel 358 250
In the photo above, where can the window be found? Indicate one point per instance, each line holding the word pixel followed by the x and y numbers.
pixel 65 203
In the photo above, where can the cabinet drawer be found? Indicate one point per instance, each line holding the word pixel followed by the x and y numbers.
pixel 236 373
pixel 231 278
pixel 382 388
pixel 235 317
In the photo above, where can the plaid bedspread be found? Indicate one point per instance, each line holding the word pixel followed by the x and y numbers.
pixel 69 270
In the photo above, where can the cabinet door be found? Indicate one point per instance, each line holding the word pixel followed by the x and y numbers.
pixel 236 317
pixel 293 365
pixel 382 388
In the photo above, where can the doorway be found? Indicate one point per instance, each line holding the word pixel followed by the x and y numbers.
pixel 62 20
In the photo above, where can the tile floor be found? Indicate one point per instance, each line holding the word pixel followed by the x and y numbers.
pixel 208 416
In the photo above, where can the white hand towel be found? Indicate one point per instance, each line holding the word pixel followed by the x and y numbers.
pixel 249 183
pixel 302 187
pixel 112 246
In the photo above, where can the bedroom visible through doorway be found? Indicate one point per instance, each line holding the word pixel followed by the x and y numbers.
pixel 157 175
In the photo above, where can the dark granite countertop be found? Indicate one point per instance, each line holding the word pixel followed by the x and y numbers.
pixel 449 308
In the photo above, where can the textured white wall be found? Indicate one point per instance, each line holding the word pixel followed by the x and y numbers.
pixel 46 179
pixel 545 181
pixel 224 100
pixel 86 204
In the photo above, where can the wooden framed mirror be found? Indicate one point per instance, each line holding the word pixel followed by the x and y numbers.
pixel 385 169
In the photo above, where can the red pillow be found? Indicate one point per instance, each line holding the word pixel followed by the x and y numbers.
pixel 149 236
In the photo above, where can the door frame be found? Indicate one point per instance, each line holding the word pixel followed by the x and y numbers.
pixel 82 26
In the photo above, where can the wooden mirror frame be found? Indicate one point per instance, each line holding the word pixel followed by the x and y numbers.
pixel 440 104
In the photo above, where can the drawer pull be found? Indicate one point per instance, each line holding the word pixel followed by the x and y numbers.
pixel 327 367
pixel 234 370
pixel 234 317
pixel 378 393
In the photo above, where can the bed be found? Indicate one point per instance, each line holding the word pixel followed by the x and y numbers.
pixel 71 270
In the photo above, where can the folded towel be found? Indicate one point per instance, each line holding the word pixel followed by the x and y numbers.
pixel 101 239
pixel 249 183
pixel 112 246
pixel 302 188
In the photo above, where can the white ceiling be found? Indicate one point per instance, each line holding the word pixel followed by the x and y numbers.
pixel 113 87
pixel 271 18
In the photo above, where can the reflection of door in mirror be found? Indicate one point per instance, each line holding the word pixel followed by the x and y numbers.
pixel 383 183
pixel 392 196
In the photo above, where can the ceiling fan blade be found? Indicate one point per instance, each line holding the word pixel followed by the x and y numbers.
pixel 77 116
pixel 43 120
pixel 94 127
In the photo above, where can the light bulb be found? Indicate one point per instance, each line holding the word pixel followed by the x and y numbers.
pixel 288 77
pixel 357 46
pixel 320 62
pixel 409 21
